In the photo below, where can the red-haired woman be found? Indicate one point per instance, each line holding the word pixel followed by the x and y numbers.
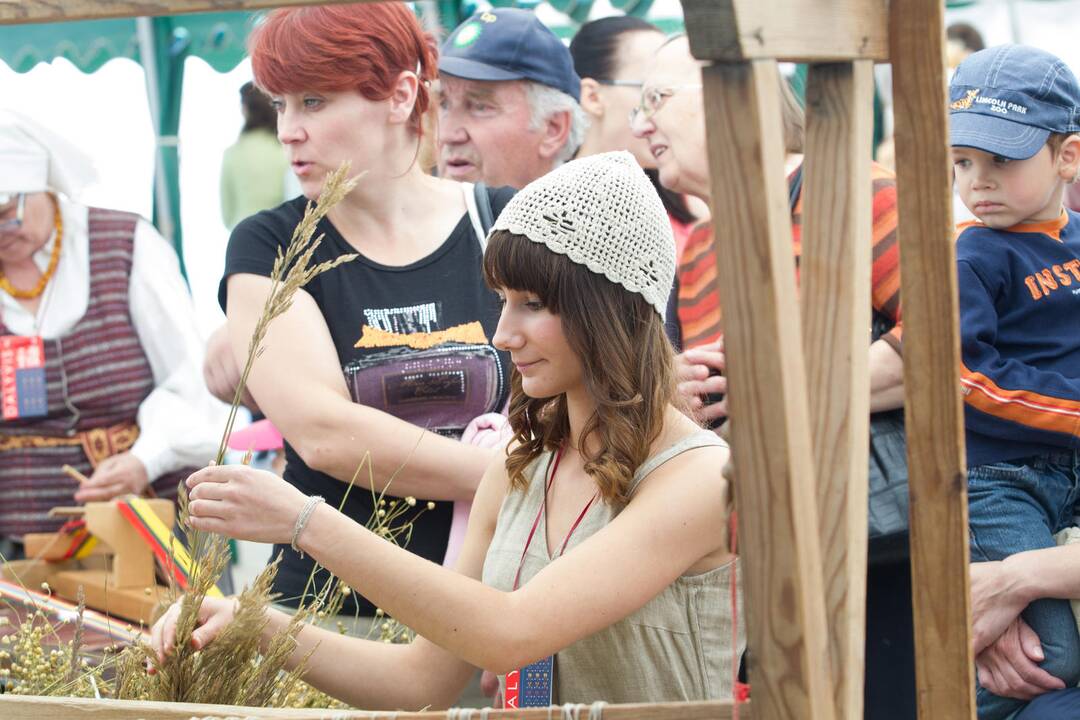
pixel 390 354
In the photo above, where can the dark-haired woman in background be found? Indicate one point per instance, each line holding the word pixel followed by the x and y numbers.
pixel 611 56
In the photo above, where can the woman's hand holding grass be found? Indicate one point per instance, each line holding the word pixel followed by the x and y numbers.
pixel 215 614
pixel 243 503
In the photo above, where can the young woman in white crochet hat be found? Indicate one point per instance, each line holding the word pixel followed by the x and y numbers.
pixel 598 539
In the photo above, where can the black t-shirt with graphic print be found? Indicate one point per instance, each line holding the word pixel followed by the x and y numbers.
pixel 413 341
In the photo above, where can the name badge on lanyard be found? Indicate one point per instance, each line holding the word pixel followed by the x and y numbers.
pixel 531 686
pixel 22 377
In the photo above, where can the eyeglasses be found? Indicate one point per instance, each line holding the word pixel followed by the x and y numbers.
pixel 652 99
pixel 9 202
pixel 622 83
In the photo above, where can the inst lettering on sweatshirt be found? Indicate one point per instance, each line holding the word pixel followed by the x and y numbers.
pixel 1055 277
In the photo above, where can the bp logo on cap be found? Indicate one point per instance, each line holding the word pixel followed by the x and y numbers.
pixel 468 34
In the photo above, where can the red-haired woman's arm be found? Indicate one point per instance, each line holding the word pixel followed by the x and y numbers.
pixel 298 384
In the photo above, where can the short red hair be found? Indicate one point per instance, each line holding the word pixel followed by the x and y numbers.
pixel 362 47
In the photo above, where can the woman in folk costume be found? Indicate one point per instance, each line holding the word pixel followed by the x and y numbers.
pixel 596 562
pixel 99 353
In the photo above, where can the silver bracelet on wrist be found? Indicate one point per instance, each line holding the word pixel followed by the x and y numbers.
pixel 302 519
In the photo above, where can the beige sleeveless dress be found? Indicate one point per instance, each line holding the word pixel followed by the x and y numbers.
pixel 678 647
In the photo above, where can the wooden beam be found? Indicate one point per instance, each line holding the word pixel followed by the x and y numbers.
pixel 835 294
pixel 795 30
pixel 48 708
pixel 39 11
pixel 933 408
pixel 774 486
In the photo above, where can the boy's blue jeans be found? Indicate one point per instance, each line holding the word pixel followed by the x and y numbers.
pixel 1017 506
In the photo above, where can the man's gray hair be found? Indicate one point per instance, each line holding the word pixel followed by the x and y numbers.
pixel 545 101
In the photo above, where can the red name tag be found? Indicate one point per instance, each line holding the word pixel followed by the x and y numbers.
pixel 22 377
pixel 531 685
pixel 513 690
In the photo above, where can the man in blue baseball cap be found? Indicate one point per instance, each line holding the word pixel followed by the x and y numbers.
pixel 1014 113
pixel 509 95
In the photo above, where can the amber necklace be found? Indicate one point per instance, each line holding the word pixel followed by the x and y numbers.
pixel 43 281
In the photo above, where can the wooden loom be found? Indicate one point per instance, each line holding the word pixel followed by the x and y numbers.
pixel 799 385
pixel 117 577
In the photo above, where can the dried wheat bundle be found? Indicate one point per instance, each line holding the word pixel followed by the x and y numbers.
pixel 232 670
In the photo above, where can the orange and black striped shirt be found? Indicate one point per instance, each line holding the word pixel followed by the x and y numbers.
pixel 700 315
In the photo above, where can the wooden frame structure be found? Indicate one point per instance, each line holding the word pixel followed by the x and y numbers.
pixel 799 385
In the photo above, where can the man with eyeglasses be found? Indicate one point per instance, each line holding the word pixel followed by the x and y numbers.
pixel 99 353
pixel 508 100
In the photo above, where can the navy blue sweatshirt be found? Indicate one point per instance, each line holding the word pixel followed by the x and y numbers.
pixel 1020 338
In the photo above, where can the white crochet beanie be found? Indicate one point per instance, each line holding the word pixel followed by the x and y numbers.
pixel 602 212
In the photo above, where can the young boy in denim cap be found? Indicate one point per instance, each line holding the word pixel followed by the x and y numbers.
pixel 1014 111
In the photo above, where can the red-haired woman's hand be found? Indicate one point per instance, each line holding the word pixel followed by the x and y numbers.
pixel 221 372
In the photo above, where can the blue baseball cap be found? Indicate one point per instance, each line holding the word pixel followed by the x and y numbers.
pixel 509 44
pixel 1007 99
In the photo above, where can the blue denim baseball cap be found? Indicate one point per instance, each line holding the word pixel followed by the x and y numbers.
pixel 509 44
pixel 1007 99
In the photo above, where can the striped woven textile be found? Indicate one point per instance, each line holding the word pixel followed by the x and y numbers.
pixel 170 552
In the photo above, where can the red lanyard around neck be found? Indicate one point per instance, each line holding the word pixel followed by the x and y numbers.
pixel 540 513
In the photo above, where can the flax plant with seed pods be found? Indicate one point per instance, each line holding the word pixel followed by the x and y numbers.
pixel 234 669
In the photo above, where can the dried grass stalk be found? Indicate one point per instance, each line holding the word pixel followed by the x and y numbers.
pixel 231 670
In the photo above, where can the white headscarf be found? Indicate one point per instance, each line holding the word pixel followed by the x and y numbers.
pixel 35 159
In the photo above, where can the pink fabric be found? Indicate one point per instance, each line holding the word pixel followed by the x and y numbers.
pixel 490 430
pixel 256 437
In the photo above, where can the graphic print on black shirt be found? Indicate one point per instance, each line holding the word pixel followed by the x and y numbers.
pixel 413 341
pixel 435 377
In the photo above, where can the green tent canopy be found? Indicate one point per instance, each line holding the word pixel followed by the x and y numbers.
pixel 217 38
pixel 162 45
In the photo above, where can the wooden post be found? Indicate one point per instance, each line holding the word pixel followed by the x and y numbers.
pixel 933 409
pixel 835 294
pixel 774 488
pixel 797 30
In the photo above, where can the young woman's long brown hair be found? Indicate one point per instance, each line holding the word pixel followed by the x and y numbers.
pixel 627 359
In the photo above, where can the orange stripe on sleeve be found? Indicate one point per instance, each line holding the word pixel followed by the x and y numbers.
pixel 1021 406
